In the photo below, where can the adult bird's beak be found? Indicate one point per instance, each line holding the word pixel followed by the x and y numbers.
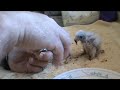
pixel 75 41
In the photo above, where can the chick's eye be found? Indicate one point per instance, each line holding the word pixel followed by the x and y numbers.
pixel 81 37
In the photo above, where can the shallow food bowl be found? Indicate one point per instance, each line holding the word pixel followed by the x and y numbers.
pixel 89 73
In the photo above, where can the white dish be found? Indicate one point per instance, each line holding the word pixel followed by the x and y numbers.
pixel 89 73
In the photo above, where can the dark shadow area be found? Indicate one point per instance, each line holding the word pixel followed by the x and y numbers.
pixel 109 16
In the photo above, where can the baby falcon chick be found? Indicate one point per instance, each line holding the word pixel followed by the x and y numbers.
pixel 91 43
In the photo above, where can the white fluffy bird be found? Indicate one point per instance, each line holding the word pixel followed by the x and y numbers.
pixel 91 43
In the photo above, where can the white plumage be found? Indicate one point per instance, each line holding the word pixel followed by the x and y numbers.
pixel 91 43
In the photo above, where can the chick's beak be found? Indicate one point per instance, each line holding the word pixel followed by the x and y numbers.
pixel 75 41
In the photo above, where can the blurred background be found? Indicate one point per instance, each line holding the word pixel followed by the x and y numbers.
pixel 68 18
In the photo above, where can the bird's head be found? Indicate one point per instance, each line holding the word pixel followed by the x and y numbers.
pixel 80 36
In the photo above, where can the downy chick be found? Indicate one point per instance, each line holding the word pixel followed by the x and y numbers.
pixel 91 43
